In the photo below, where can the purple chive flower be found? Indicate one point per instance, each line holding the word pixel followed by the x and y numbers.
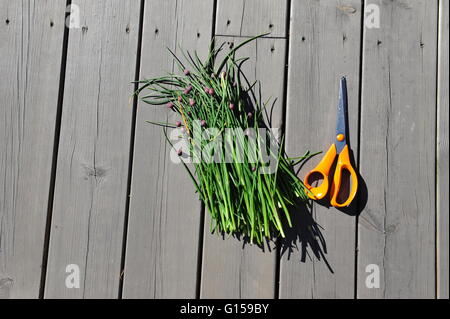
pixel 180 152
pixel 211 91
pixel 231 106
pixel 178 123
pixel 253 168
pixel 203 123
pixel 170 105
pixel 250 115
pixel 187 90
pixel 186 72
pixel 206 89
pixel 191 102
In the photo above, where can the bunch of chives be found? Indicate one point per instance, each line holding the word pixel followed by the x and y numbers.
pixel 239 199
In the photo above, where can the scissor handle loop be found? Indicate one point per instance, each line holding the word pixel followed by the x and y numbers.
pixel 343 163
pixel 323 168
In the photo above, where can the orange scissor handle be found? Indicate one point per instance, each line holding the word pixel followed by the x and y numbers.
pixel 323 168
pixel 343 163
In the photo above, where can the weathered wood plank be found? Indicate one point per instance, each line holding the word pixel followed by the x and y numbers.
pixel 397 228
pixel 92 166
pixel 324 45
pixel 164 218
pixel 251 17
pixel 231 269
pixel 31 43
pixel 442 153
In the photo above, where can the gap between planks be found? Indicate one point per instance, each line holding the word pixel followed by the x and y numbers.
pixel 132 138
pixel 59 108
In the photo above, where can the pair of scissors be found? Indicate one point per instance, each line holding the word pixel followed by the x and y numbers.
pixel 340 148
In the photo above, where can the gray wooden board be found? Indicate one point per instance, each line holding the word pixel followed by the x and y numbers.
pixel 251 17
pixel 164 218
pixel 232 269
pixel 397 227
pixel 30 50
pixel 442 153
pixel 324 45
pixel 92 166
pixel 400 153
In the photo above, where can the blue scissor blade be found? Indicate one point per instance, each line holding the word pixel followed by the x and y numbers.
pixel 342 111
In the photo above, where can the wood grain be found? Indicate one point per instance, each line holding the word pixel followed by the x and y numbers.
pixel 231 268
pixel 31 43
pixel 92 167
pixel 402 143
pixel 251 17
pixel 164 218
pixel 324 45
pixel 442 153
pixel 397 228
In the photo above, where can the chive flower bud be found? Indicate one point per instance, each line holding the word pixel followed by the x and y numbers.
pixel 231 106
pixel 186 72
pixel 180 152
pixel 170 105
pixel 211 91
pixel 178 123
pixel 191 102
pixel 187 90
pixel 206 89
pixel 253 168
pixel 203 123
pixel 180 98
pixel 250 115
